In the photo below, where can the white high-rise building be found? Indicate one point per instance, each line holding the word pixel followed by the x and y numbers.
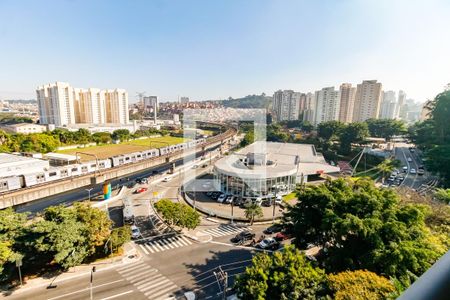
pixel 56 104
pixel 367 101
pixel 347 102
pixel 309 108
pixel 286 105
pixel 327 105
pixel 401 105
pixel 61 104
pixel 388 105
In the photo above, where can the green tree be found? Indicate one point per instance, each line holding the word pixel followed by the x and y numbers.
pixel 359 285
pixel 284 275
pixel 329 130
pixel 102 138
pixel 386 128
pixel 178 214
pixel 387 166
pixel 252 211
pixel 352 133
pixel 12 226
pixel 98 224
pixel 442 195
pixel 83 136
pixel 120 236
pixel 360 226
pixel 121 135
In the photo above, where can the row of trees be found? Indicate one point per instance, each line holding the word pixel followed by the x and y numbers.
pixel 59 238
pixel 357 227
pixel 433 136
pixel 49 141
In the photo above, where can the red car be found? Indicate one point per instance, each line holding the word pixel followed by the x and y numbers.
pixel 140 190
pixel 281 236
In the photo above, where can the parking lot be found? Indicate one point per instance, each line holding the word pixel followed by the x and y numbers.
pixel 206 198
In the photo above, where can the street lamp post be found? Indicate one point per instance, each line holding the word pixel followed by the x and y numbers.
pixel 92 278
pixel 18 265
pixel 89 193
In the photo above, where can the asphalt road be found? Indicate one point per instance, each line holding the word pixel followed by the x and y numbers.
pixel 402 153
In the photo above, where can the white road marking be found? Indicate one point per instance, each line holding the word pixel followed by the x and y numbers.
pixel 86 289
pixel 117 295
pixel 149 248
pixel 143 248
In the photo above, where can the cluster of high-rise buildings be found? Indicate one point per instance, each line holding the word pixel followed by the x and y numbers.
pixel 347 104
pixel 62 105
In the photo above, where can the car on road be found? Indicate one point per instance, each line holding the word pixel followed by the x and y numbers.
pixel 166 179
pixel 412 150
pixel 267 203
pixel 272 229
pixel 412 171
pixel 405 169
pixel 194 167
pixel 409 159
pixel 267 243
pixel 242 237
pixel 135 232
pixel 204 165
pixel 397 182
pixel 281 236
pixel 421 172
pixel 141 180
pixel 140 190
pixel 221 198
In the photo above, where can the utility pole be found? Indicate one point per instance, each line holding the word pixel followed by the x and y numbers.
pixel 222 281
pixel 18 265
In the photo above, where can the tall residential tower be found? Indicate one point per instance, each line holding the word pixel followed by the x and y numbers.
pixel 367 101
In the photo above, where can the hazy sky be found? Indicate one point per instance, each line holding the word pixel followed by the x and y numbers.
pixel 214 49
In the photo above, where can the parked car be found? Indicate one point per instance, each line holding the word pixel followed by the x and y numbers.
pixel 229 199
pixel 135 232
pixel 278 199
pixel 166 179
pixel 194 167
pixel 140 190
pixel 209 194
pixel 267 203
pixel 272 229
pixel 215 195
pixel 204 165
pixel 281 236
pixel 412 171
pixel 243 237
pixel 142 180
pixel 221 198
pixel 398 182
pixel 266 243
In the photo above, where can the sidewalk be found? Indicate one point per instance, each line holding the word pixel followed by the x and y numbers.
pixel 130 255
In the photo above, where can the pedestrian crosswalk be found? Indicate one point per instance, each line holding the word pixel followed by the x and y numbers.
pixel 224 230
pixel 148 281
pixel 163 244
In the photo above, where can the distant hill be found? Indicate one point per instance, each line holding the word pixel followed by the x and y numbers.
pixel 250 101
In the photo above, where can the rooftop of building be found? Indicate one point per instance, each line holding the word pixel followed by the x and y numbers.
pixel 60 156
pixel 269 159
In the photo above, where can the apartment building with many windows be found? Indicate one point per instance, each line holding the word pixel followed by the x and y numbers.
pixel 327 105
pixel 61 104
pixel 347 102
pixel 286 105
pixel 367 100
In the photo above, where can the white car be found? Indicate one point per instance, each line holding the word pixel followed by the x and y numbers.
pixel 412 171
pixel 166 179
pixel 405 169
pixel 278 199
pixel 135 232
pixel 266 243
pixel 221 198
pixel 409 159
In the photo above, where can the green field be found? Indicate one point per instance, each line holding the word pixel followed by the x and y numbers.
pixel 105 151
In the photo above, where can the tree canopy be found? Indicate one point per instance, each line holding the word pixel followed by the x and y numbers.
pixel 284 275
pixel 385 128
pixel 178 214
pixel 352 133
pixel 360 226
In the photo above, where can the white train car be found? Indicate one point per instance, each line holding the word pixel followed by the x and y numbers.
pixel 34 178
pixel 150 153
pixel 191 144
pixel 164 150
pixel 11 183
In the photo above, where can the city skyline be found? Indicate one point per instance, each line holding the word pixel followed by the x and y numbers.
pixel 207 50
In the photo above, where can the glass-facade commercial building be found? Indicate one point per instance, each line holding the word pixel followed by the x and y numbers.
pixel 266 169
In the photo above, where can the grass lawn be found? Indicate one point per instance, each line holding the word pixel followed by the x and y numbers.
pixel 105 151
